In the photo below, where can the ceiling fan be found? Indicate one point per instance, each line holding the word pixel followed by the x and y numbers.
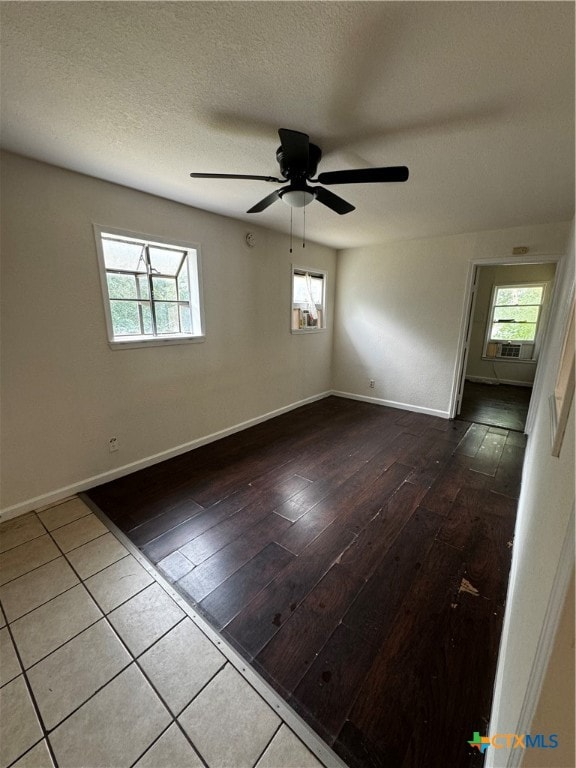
pixel 298 160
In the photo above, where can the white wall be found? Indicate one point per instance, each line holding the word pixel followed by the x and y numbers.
pixel 502 370
pixel 399 311
pixel 65 392
pixel 543 555
pixel 555 710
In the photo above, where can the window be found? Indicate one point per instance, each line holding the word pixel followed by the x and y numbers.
pixel 151 289
pixel 515 314
pixel 308 300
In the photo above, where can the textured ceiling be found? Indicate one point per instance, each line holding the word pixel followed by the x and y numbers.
pixel 477 99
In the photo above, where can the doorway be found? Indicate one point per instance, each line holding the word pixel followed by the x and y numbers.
pixel 507 311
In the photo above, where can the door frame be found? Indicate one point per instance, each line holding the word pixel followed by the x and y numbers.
pixel 467 315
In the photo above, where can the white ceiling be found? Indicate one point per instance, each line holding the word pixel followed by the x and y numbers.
pixel 477 99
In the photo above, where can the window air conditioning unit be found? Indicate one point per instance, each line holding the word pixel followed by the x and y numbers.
pixel 512 351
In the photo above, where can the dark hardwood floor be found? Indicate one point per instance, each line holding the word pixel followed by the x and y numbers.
pixel 357 556
pixel 497 405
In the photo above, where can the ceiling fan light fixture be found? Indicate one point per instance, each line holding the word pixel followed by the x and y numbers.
pixel 297 198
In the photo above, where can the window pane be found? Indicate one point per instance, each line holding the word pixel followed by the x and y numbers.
pixel 185 320
pixel 300 292
pixel 519 314
pixel 316 288
pixel 509 296
pixel 144 287
pixel 183 283
pixel 152 287
pixel 125 318
pixel 167 318
pixel 165 262
pixel 122 255
pixel 147 317
pixel 304 287
pixel 513 331
pixel 121 286
pixel 164 289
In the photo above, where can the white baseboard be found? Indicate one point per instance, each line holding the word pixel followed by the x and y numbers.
pixel 393 404
pixel 60 494
pixel 513 382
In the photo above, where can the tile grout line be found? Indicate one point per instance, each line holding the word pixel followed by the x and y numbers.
pixel 35 706
pixel 134 660
pixel 300 728
pixel 28 685
pixel 268 743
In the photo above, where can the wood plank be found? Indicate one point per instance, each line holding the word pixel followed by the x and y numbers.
pixel 359 751
pixel 434 588
pixel 373 610
pixel 440 455
pixel 327 690
pixel 233 594
pixel 376 538
pixel 323 695
pixel 472 440
pixel 206 544
pixel 165 521
pixel 267 612
pixel 177 537
pixel 488 457
pixel 447 717
pixel 339 466
pixel 417 423
pixel 516 438
pixel 277 449
pixel 354 502
pixel 426 673
pixel 213 571
pixel 481 525
pixel 455 476
pixel 412 449
pixel 508 476
pixel 289 653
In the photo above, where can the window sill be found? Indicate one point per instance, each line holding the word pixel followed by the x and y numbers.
pixel 508 360
pixel 312 329
pixel 157 341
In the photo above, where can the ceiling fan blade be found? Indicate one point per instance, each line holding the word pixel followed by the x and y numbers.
pixel 263 204
pixel 332 201
pixel 234 176
pixel 365 175
pixel 295 147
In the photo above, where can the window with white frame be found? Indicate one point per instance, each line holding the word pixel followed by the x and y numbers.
pixel 514 320
pixel 152 288
pixel 308 300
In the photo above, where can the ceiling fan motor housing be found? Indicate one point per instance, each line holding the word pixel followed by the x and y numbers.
pixel 294 170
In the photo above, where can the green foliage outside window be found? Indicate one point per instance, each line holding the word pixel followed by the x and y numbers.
pixel 515 313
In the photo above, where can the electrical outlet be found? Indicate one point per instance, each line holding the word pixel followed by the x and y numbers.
pixel 113 444
pixel 372 383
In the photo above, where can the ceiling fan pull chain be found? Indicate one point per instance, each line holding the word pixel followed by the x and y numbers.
pixel 304 232
pixel 291 209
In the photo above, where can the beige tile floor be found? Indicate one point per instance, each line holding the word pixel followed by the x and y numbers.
pixel 103 665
